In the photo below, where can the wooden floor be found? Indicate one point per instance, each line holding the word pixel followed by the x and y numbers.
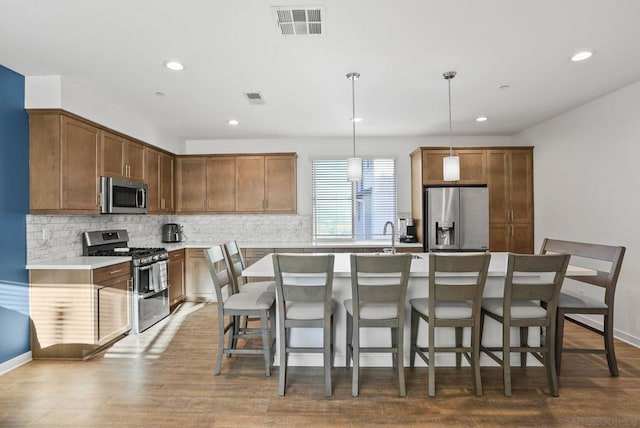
pixel 164 377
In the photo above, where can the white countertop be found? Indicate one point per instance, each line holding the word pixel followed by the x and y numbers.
pixel 79 263
pixel 320 244
pixel 419 266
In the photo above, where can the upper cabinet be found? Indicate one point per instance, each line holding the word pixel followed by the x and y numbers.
pixel 159 177
pixel 236 184
pixel 473 166
pixel 64 164
pixel 122 158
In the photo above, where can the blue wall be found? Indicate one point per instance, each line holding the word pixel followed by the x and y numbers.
pixel 14 205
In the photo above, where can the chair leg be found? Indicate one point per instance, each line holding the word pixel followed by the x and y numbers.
pixel 415 320
pixel 355 343
pixel 475 359
pixel 394 344
pixel 326 333
pixel 349 349
pixel 220 343
pixel 524 339
pixel 550 361
pixel 458 345
pixel 282 359
pixel 559 337
pixel 432 361
pixel 266 342
pixel 333 341
pixel 506 359
pixel 609 346
pixel 235 330
pixel 400 359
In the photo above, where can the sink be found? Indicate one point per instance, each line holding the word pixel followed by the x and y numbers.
pixel 413 256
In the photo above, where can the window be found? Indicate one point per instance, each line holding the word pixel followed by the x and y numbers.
pixel 344 210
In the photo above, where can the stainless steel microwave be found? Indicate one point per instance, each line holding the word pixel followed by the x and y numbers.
pixel 119 196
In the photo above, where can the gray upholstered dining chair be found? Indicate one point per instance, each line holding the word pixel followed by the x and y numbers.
pixel 260 304
pixel 304 284
pixel 452 302
pixel 530 281
pixel 379 290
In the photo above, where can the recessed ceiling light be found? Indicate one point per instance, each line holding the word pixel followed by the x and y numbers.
pixel 481 119
pixel 357 119
pixel 581 56
pixel 174 65
pixel 233 122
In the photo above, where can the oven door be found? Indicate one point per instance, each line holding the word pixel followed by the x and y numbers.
pixel 151 295
pixel 151 309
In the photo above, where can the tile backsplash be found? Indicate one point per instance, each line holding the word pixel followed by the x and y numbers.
pixel 51 237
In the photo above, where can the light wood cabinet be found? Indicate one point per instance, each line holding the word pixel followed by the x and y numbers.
pixel 122 158
pixel 473 166
pixel 198 282
pixel 510 183
pixel 221 184
pixel 159 179
pixel 64 164
pixel 76 313
pixel 508 173
pixel 191 184
pixel 236 184
pixel 176 277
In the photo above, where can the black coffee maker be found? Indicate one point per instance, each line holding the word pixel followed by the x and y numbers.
pixel 172 232
pixel 407 230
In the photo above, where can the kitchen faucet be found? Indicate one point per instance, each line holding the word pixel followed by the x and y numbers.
pixel 393 235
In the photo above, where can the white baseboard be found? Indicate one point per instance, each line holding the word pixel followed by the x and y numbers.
pixel 15 362
pixel 618 334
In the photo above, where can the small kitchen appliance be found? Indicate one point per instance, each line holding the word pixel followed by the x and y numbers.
pixel 150 286
pixel 172 232
pixel 407 230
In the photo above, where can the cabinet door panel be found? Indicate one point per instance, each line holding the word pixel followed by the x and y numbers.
pixel 135 161
pixel 521 186
pixel 521 239
pixel 473 166
pixel 176 276
pixel 80 165
pixel 250 195
pixel 280 183
pixel 221 184
pixel 432 166
pixel 499 237
pixel 152 178
pixel 191 182
pixel 166 182
pixel 498 186
pixel 113 155
pixel 113 309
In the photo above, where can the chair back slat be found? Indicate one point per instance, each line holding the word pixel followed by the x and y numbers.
pixel 597 252
pixel 219 272
pixel 445 288
pixel 535 277
pixel 303 278
pixel 236 263
pixel 379 279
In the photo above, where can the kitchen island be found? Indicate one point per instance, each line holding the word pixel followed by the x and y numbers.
pixel 418 287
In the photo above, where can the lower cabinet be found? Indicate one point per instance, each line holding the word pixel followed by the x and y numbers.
pixel 75 313
pixel 176 277
pixel 198 285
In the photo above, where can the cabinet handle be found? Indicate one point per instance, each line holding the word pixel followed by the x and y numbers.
pixel 113 272
pixel 162 203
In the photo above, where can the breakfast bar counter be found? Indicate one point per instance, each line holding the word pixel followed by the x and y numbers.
pixel 418 287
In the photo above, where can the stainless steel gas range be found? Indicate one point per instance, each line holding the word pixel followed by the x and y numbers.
pixel 150 290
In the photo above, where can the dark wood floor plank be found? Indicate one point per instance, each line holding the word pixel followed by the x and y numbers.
pixel 164 377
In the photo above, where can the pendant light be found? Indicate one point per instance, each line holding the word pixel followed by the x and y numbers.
pixel 354 164
pixel 451 163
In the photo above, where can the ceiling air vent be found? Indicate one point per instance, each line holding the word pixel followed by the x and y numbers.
pixel 254 97
pixel 299 21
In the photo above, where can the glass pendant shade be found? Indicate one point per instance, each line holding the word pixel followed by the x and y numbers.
pixel 354 169
pixel 451 168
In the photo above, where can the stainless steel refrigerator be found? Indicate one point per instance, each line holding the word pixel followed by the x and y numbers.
pixel 457 218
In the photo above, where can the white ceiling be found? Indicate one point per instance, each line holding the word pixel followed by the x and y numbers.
pixel 116 49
